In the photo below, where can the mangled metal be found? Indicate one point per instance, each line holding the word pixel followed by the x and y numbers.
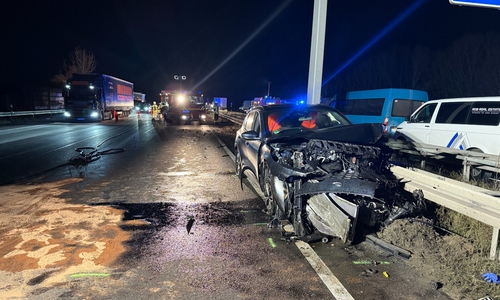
pixel 343 183
pixel 319 171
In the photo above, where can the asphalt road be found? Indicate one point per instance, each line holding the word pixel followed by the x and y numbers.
pixel 185 226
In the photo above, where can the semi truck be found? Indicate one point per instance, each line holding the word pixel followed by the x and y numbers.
pixel 183 106
pixel 97 97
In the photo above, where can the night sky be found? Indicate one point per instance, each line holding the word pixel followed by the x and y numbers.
pixel 226 48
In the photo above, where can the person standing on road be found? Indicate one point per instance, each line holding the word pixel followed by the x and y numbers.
pixel 163 111
pixel 154 108
pixel 216 112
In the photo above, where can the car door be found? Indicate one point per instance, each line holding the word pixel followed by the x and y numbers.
pixel 253 145
pixel 420 125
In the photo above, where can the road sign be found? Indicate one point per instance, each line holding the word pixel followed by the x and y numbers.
pixel 480 3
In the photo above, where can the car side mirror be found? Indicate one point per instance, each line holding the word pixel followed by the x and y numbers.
pixel 250 135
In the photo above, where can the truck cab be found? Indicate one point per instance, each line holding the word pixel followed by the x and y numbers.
pixel 183 107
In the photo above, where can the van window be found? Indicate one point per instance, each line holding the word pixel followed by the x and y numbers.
pixel 425 114
pixel 403 107
pixel 453 112
pixel 365 107
pixel 485 113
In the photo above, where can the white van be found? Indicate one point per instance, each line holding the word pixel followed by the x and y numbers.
pixel 460 123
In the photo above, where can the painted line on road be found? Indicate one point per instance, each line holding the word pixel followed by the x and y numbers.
pixel 324 273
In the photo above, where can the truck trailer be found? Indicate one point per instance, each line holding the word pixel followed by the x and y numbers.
pixel 97 97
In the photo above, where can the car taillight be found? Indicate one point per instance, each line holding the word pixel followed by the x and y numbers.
pixel 386 124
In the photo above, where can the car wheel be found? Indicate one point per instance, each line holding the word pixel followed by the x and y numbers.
pixel 237 163
pixel 272 207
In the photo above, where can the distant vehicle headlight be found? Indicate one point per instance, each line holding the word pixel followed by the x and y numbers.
pixel 94 114
pixel 203 116
pixel 67 114
pixel 184 117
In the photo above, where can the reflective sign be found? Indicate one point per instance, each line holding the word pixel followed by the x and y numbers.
pixel 480 3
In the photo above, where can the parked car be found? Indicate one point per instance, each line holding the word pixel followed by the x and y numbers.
pixel 318 170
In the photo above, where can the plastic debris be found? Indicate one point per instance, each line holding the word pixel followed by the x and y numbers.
pixel 370 262
pixel 491 278
pixel 190 225
pixel 79 275
pixel 435 285
pixel 386 274
pixel 368 272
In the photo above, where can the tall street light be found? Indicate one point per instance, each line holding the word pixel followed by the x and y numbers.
pixel 180 78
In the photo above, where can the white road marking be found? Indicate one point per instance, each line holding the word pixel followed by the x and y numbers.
pixel 326 275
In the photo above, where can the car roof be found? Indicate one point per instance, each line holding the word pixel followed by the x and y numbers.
pixel 276 107
pixel 467 99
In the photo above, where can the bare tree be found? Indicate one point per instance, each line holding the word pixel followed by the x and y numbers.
pixel 470 67
pixel 80 61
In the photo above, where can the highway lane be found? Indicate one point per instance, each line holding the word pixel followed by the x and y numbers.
pixel 32 150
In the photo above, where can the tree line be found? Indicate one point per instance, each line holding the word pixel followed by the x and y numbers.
pixel 470 67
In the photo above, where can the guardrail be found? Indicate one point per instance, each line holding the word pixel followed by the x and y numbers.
pixel 234 117
pixel 31 113
pixel 475 202
pixel 468 159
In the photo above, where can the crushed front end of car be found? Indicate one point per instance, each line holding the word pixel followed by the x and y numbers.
pixel 334 181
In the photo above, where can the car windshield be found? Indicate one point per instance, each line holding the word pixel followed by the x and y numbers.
pixel 306 118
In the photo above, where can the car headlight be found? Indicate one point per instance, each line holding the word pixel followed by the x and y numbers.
pixel 184 117
pixel 94 114
pixel 67 114
pixel 203 117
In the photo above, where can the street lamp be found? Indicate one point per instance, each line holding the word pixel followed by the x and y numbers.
pixel 180 78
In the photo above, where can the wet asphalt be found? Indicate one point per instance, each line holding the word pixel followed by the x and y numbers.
pixel 205 237
pixel 201 233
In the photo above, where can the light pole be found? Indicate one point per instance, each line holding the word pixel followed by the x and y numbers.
pixel 180 78
pixel 268 87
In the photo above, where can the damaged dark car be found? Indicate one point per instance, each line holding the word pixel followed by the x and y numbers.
pixel 320 172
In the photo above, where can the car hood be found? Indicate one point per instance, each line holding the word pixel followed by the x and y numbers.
pixel 368 133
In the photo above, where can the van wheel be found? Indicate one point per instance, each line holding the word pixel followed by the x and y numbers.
pixel 478 174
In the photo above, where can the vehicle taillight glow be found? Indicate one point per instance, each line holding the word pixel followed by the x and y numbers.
pixel 386 124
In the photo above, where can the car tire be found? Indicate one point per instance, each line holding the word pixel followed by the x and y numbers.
pixel 237 163
pixel 272 207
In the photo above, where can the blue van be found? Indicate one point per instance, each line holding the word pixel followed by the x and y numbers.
pixel 385 106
